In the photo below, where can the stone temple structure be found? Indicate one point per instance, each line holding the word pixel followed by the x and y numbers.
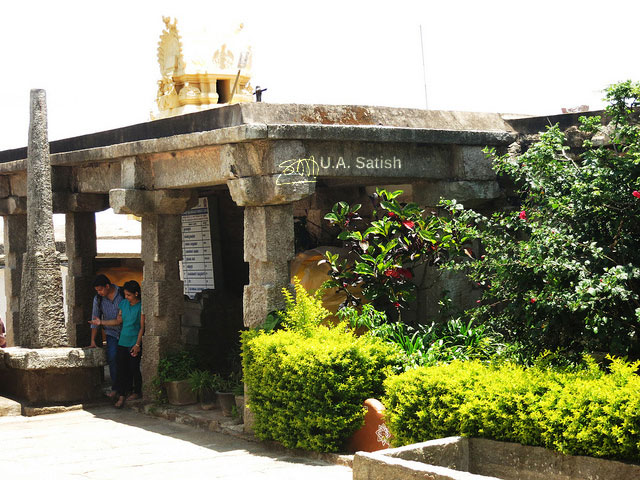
pixel 262 167
pixel 269 173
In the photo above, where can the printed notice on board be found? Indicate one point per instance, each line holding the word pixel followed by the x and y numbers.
pixel 197 261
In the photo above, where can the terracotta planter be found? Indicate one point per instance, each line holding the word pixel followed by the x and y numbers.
pixel 180 393
pixel 227 401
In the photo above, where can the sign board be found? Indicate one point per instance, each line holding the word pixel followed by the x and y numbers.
pixel 197 261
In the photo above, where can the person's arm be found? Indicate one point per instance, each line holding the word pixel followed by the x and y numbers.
pixel 94 328
pixel 108 323
pixel 3 335
pixel 135 350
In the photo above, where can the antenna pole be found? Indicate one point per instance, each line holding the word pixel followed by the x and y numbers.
pixel 424 71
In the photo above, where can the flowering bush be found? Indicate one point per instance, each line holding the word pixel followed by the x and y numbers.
pixel 562 271
pixel 386 249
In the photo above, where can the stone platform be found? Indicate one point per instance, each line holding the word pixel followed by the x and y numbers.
pixel 52 375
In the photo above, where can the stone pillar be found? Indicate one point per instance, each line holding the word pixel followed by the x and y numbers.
pixel 268 248
pixel 41 306
pixel 15 244
pixel 162 289
pixel 41 369
pixel 80 236
pixel 268 245
pixel 268 239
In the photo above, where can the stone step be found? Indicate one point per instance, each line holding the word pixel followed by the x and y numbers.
pixel 9 408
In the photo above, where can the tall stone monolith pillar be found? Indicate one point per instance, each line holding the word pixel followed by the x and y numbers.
pixel 41 301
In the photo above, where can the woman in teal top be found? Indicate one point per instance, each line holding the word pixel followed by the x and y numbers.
pixel 129 380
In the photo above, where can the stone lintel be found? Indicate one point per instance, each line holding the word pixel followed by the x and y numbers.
pixel 13 206
pixel 471 193
pixel 66 202
pixel 144 202
pixel 270 190
pixel 135 173
pixel 47 358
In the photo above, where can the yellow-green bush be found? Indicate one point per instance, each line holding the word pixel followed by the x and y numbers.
pixel 307 383
pixel 581 413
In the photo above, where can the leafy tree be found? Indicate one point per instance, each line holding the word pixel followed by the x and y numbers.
pixel 563 270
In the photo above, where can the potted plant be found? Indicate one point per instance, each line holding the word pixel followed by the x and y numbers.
pixel 238 392
pixel 174 370
pixel 226 397
pixel 204 383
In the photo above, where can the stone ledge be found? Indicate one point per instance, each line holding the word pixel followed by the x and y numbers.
pixel 46 358
pixel 383 133
pixel 458 458
pixel 9 407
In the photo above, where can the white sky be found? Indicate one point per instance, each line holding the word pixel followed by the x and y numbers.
pixel 97 60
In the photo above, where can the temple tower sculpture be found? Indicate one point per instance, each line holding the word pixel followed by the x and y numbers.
pixel 198 72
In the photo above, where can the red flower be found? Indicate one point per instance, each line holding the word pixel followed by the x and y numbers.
pixel 523 215
pixel 534 300
pixel 405 273
pixel 408 223
pixel 391 214
pixel 398 272
pixel 392 272
pixel 636 194
pixel 396 304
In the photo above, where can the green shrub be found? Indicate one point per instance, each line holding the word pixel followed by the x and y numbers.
pixel 176 366
pixel 584 412
pixel 427 345
pixel 307 383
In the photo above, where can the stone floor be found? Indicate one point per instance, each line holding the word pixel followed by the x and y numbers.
pixel 102 442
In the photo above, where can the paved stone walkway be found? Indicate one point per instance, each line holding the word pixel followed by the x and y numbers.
pixel 105 443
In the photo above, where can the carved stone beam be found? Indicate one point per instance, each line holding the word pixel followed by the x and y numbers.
pixel 66 202
pixel 144 202
pixel 270 190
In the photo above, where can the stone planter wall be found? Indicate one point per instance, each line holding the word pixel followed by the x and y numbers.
pixel 52 375
pixel 457 458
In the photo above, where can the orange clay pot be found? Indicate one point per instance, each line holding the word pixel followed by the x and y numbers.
pixel 374 434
